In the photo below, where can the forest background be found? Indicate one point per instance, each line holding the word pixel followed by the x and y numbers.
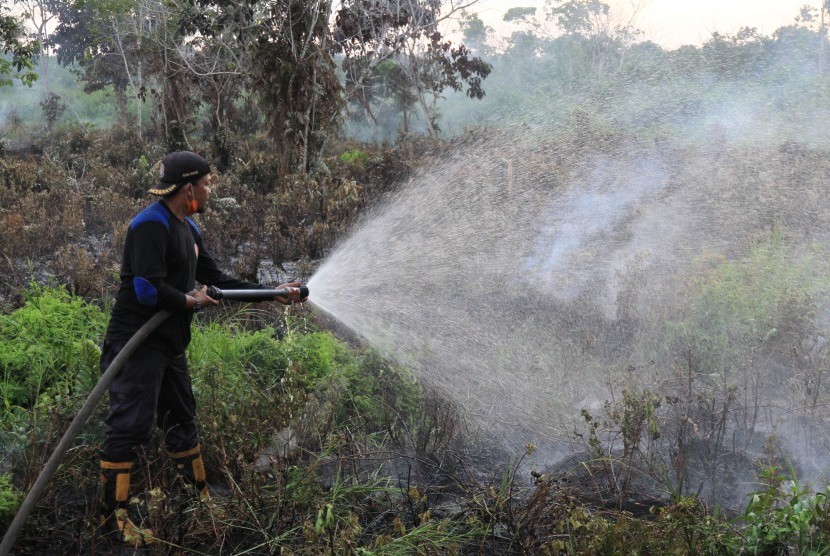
pixel 312 114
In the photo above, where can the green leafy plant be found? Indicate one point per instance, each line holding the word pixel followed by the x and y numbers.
pixel 240 379
pixel 687 527
pixel 785 515
pixel 10 497
pixel 49 346
pixel 354 156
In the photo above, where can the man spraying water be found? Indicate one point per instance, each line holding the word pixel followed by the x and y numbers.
pixel 164 257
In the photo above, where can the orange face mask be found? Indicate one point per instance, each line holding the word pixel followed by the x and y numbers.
pixel 192 205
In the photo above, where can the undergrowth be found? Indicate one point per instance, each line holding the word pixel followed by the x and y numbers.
pixel 315 447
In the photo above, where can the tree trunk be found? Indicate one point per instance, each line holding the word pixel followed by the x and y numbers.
pixel 221 144
pixel 176 138
pixel 283 149
pixel 427 113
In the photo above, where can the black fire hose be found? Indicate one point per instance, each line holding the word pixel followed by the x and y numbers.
pixel 95 396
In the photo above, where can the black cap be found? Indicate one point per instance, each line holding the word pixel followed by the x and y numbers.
pixel 179 168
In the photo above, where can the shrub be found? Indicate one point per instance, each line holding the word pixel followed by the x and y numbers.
pixel 785 514
pixel 237 381
pixel 319 355
pixel 385 396
pixel 9 498
pixel 49 346
pixel 259 385
pixel 751 302
pixel 354 156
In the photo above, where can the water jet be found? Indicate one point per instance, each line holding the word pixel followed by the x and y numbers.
pixel 579 278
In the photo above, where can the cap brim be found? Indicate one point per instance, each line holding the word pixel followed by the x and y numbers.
pixel 161 191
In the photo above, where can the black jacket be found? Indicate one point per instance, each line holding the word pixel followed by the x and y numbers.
pixel 163 259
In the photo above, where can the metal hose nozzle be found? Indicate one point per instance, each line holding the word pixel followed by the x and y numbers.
pixel 252 295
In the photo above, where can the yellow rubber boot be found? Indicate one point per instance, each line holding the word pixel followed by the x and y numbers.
pixel 191 467
pixel 127 532
pixel 115 480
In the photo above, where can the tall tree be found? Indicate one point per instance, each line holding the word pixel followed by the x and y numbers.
pixel 143 49
pixel 475 33
pixel 217 54
pixel 606 38
pixel 279 51
pixel 369 32
pixel 738 56
pixel 106 39
pixel 438 66
pixel 818 21
pixel 39 15
pixel 295 77
pixel 20 51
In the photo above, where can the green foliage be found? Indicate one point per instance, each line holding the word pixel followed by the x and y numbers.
pixel 372 395
pixel 227 352
pixel 689 93
pixel 636 418
pixel 10 497
pixel 251 384
pixel 686 527
pixel 53 107
pixel 224 348
pixel 49 347
pixel 89 109
pixel 318 355
pixel 578 17
pixel 514 14
pixel 738 306
pixel 238 383
pixel 474 29
pixel 258 384
pixel 785 515
pixel 21 54
pixel 354 156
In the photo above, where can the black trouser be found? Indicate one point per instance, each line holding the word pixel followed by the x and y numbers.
pixel 151 387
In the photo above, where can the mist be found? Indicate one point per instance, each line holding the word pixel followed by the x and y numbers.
pixel 638 237
pixel 617 234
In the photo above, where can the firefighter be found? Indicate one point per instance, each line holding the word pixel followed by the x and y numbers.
pixel 164 257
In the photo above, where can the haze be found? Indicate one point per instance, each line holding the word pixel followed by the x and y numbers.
pixel 673 23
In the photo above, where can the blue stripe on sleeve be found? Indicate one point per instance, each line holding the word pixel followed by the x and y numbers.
pixel 145 292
